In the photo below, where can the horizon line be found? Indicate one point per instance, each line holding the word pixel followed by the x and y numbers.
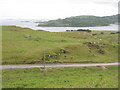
pixel 59 17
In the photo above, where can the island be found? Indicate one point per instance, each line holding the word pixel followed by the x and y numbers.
pixel 81 21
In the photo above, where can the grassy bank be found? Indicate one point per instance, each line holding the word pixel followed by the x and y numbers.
pixel 26 46
pixel 69 77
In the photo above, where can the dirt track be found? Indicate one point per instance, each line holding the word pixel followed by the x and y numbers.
pixel 56 65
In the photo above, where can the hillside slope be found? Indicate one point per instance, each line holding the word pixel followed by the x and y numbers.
pixel 26 46
pixel 81 21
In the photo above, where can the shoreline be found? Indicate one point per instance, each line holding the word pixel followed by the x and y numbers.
pixel 56 27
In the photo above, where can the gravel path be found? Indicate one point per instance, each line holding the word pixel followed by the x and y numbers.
pixel 56 65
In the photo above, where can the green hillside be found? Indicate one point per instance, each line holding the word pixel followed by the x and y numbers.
pixel 81 21
pixel 26 46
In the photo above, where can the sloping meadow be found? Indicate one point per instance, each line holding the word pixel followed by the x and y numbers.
pixel 26 46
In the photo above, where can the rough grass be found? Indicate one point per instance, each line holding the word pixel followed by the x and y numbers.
pixel 26 46
pixel 68 77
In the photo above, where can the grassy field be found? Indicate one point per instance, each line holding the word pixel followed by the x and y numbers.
pixel 26 46
pixel 69 77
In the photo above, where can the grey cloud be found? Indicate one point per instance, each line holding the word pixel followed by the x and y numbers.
pixel 109 2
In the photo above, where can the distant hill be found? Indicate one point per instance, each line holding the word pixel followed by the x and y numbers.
pixel 82 21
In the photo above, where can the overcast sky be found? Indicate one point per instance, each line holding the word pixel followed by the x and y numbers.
pixel 53 9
